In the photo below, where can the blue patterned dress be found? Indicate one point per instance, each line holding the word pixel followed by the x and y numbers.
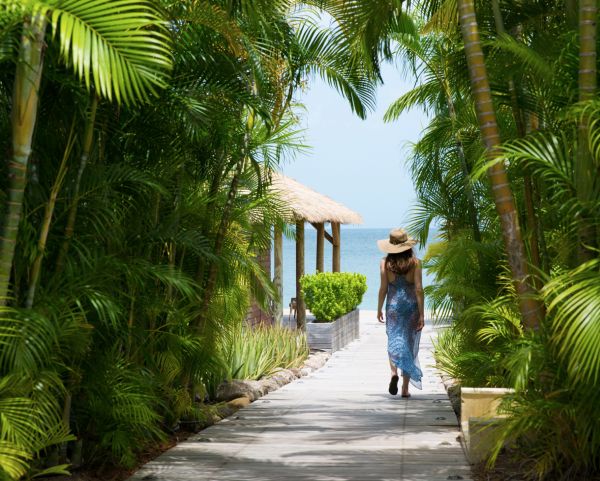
pixel 402 315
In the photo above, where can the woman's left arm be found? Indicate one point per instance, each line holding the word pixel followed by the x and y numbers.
pixel 420 295
pixel 382 290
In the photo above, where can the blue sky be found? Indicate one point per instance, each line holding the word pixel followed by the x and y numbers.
pixel 360 163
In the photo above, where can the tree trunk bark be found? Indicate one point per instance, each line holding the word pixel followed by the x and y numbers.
pixel 531 218
pixel 502 193
pixel 88 138
pixel 585 173
pixel 300 306
pixel 36 267
pixel 23 119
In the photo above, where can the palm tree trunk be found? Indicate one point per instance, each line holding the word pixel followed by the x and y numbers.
pixel 24 114
pixel 36 267
pixel 502 193
pixel 585 172
pixel 88 138
pixel 531 218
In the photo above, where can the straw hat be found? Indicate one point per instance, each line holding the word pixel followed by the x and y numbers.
pixel 398 242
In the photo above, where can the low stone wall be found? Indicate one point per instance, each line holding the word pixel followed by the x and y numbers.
pixel 253 390
pixel 332 336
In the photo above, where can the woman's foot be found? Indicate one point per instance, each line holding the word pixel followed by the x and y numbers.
pixel 393 389
pixel 405 381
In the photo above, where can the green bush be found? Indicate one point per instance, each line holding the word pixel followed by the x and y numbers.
pixel 329 295
pixel 254 353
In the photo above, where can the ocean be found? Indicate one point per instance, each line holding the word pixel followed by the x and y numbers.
pixel 359 253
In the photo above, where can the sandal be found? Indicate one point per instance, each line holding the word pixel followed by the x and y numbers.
pixel 393 389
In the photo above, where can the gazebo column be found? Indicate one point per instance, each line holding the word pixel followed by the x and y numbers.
pixel 335 260
pixel 301 309
pixel 278 275
pixel 320 246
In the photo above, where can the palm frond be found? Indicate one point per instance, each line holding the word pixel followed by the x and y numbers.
pixel 117 46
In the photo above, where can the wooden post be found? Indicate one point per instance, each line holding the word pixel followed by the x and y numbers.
pixel 278 277
pixel 320 246
pixel 301 316
pixel 335 261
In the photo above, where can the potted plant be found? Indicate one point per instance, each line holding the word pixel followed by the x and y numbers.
pixel 333 298
pixel 479 411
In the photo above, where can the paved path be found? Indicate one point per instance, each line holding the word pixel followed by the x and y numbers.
pixel 337 424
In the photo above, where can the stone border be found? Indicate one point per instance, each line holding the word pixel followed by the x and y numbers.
pixel 233 392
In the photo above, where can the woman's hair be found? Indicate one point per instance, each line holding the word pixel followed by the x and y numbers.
pixel 401 263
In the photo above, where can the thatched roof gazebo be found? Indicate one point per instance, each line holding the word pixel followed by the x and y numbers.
pixel 307 205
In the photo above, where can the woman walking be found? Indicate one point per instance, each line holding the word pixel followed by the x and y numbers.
pixel 402 286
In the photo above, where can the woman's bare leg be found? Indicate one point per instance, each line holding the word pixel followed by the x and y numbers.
pixel 405 380
pixel 393 368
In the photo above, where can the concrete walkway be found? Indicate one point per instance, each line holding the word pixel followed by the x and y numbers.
pixel 338 424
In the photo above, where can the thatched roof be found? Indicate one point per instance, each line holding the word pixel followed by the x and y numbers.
pixel 307 204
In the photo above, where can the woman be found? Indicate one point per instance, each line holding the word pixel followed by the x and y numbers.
pixel 402 285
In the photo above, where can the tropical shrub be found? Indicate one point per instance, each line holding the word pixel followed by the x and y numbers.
pixel 551 423
pixel 30 393
pixel 253 353
pixel 329 295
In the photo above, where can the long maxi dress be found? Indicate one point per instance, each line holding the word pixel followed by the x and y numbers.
pixel 402 315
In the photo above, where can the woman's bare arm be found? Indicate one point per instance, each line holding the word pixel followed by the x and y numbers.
pixel 420 295
pixel 382 290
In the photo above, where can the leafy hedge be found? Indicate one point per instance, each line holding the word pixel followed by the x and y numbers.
pixel 329 295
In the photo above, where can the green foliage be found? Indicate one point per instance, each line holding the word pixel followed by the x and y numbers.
pixel 458 267
pixel 254 353
pixel 473 350
pixel 551 421
pixel 329 295
pixel 552 418
pixel 147 239
pixel 30 392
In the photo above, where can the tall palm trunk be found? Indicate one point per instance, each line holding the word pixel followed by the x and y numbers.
pixel 530 216
pixel 24 114
pixel 502 193
pixel 585 172
pixel 36 267
pixel 88 138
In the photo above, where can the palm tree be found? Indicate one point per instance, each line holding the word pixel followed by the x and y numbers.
pixel 502 193
pixel 123 52
pixel 587 171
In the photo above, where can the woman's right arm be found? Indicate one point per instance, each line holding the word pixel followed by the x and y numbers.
pixel 382 290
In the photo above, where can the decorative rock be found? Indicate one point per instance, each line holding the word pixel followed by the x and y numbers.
pixel 313 363
pixel 295 371
pixel 316 360
pixel 269 385
pixel 283 377
pixel 239 403
pixel 236 388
